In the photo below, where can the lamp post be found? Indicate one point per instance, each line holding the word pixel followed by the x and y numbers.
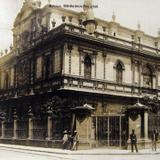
pixel 49 123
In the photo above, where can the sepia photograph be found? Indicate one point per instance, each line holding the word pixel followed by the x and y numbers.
pixel 79 80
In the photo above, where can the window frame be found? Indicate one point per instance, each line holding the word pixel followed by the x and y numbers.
pixel 87 67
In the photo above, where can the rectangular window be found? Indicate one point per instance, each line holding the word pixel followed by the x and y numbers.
pixel 39 67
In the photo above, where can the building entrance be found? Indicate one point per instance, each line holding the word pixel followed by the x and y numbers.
pixel 111 130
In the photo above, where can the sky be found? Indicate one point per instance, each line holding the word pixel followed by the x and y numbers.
pixel 128 13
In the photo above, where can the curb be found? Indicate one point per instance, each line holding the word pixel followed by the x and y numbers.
pixel 75 153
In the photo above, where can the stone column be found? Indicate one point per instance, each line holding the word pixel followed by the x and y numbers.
pixel 30 128
pixel 140 78
pixel 83 127
pixel 93 138
pixel 95 64
pixel 70 47
pixel 30 124
pixel 104 65
pixel 49 128
pixel 133 64
pixel 49 125
pixel 135 123
pixel 3 129
pixel 80 61
pixel 15 125
pixel 146 125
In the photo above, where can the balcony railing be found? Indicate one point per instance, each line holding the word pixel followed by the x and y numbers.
pixel 101 37
pixel 104 86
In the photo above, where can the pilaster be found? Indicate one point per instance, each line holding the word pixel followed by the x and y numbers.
pixel 15 125
pixel 104 65
pixel 70 47
pixel 30 124
pixel 3 129
pixel 49 125
pixel 146 125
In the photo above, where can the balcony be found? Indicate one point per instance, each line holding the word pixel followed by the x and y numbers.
pixel 77 83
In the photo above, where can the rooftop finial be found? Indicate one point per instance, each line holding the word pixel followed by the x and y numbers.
pixel 113 17
pixel 87 5
pixel 89 22
pixel 139 25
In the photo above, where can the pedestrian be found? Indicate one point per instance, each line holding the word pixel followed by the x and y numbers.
pixel 70 140
pixel 133 139
pixel 65 139
pixel 154 139
pixel 75 140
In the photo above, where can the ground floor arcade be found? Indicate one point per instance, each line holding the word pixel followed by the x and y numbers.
pixel 109 125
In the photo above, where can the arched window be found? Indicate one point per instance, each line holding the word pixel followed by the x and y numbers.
pixel 87 67
pixel 147 77
pixel 119 73
pixel 119 67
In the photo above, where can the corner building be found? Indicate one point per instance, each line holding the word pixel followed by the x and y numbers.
pixel 64 62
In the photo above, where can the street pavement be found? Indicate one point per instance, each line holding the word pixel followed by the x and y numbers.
pixel 16 152
pixel 8 154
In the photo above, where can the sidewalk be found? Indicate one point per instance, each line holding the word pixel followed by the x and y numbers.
pixel 99 151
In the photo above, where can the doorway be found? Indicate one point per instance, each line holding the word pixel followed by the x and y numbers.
pixel 111 130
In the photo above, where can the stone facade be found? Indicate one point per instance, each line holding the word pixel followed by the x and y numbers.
pixel 63 59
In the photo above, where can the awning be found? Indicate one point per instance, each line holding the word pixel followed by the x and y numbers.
pixel 137 106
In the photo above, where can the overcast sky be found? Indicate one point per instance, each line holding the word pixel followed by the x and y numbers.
pixel 128 13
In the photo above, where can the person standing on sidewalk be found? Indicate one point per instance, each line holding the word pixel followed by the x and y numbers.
pixel 70 140
pixel 75 140
pixel 65 140
pixel 133 139
pixel 154 140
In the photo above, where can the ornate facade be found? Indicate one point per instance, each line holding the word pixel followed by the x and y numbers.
pixel 62 61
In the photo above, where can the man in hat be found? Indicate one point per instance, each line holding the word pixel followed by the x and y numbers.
pixel 154 139
pixel 65 139
pixel 70 140
pixel 133 138
pixel 75 140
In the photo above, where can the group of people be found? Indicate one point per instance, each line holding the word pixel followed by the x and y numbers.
pixel 70 140
pixel 133 139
